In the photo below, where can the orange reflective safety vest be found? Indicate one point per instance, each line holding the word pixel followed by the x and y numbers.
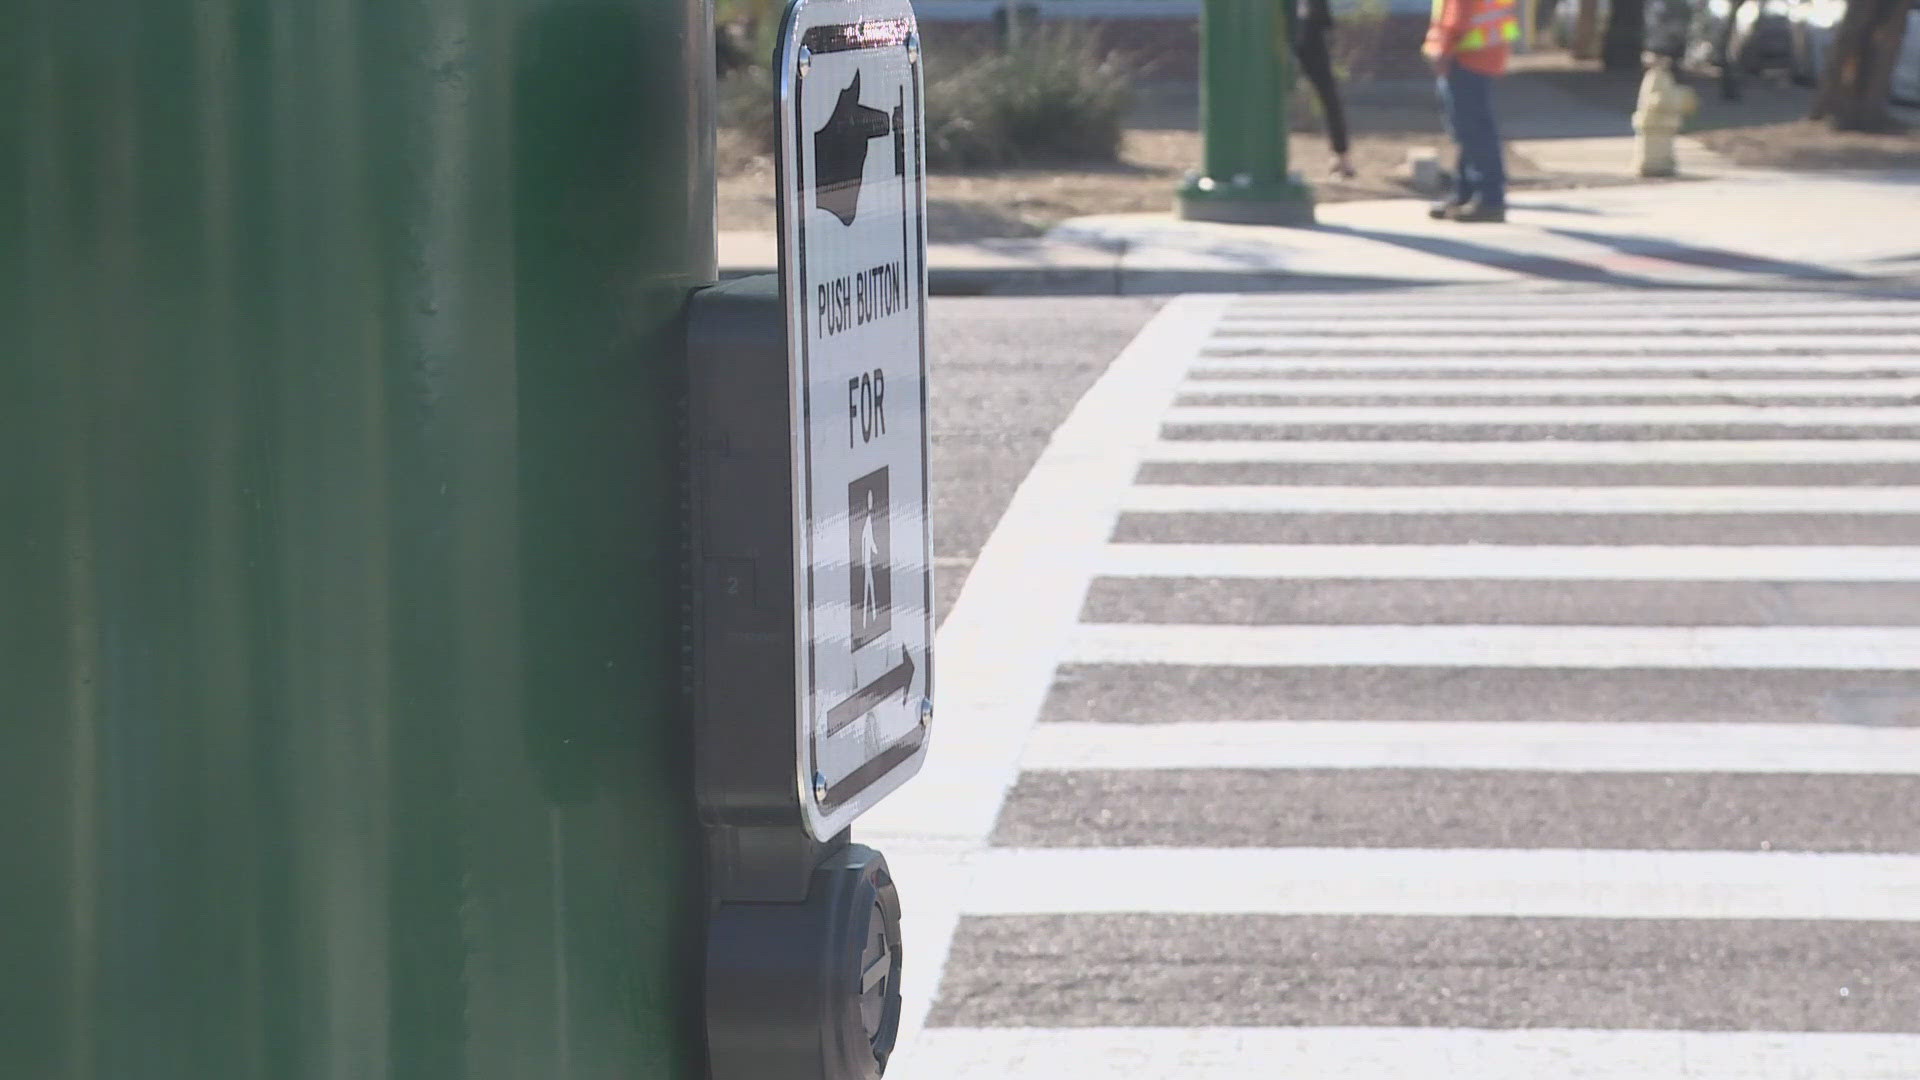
pixel 1476 33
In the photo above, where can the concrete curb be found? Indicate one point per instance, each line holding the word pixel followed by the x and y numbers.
pixel 1149 281
pixel 1000 281
pixel 1116 281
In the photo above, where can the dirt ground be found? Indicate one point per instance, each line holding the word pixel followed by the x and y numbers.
pixel 1390 116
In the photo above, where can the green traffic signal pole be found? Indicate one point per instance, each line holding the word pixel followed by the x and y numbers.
pixel 1246 79
pixel 340 732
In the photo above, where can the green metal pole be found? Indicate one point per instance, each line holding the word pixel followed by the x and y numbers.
pixel 340 732
pixel 1246 78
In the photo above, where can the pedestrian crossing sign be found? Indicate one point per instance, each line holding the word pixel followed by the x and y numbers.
pixel 853 283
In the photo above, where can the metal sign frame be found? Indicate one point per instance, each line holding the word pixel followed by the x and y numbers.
pixel 820 35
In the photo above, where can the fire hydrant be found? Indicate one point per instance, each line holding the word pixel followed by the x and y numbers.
pixel 1663 108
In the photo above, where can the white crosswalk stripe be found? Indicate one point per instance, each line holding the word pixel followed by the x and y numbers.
pixel 1833 648
pixel 1483 562
pixel 1626 746
pixel 1585 304
pixel 1770 415
pixel 1528 323
pixel 1729 369
pixel 1275 499
pixel 1701 452
pixel 1728 347
pixel 1373 1053
pixel 1898 387
pixel 1104 935
pixel 1529 884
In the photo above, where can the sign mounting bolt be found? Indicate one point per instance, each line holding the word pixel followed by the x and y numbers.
pixel 926 710
pixel 805 63
pixel 913 48
pixel 819 788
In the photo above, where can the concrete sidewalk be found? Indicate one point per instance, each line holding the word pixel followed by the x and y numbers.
pixel 1745 228
pixel 1750 229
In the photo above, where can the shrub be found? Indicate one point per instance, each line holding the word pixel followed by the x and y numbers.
pixel 1359 33
pixel 744 32
pixel 747 108
pixel 1055 93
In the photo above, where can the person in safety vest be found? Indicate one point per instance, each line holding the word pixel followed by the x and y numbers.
pixel 1467 43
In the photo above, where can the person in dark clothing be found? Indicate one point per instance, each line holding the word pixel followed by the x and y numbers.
pixel 1725 55
pixel 1312 30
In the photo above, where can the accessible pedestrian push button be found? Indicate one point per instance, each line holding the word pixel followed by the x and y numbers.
pixel 808 990
pixel 812 627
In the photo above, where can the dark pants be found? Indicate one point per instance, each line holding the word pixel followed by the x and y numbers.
pixel 1467 98
pixel 1316 63
pixel 1723 53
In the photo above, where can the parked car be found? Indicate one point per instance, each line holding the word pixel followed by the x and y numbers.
pixel 1906 70
pixel 1812 27
pixel 1565 13
pixel 1761 38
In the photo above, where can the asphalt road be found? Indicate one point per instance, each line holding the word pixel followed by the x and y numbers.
pixel 1003 374
pixel 1428 744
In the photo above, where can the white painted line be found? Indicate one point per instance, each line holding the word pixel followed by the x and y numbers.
pixel 997 650
pixel 1840 326
pixel 1821 648
pixel 1357 1053
pixel 1755 316
pixel 1758 313
pixel 1590 884
pixel 1602 296
pixel 1001 642
pixel 1894 388
pixel 1494 562
pixel 1547 361
pixel 1828 749
pixel 1685 452
pixel 1437 499
pixel 1574 304
pixel 1555 344
pixel 1564 415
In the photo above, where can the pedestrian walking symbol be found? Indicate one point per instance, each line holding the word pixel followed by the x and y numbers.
pixel 869 562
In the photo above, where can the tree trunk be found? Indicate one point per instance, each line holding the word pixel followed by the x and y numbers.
pixel 1859 74
pixel 1626 36
pixel 1586 26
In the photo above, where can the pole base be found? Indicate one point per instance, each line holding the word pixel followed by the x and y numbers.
pixel 1276 202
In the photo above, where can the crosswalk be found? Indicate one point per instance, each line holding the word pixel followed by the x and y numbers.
pixel 1494 686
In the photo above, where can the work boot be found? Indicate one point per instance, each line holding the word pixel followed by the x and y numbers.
pixel 1476 211
pixel 1442 210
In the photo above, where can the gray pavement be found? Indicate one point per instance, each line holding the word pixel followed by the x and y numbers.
pixel 1004 373
pixel 1107 693
pixel 1530 790
pixel 1228 972
pixel 1456 808
pixel 1723 530
pixel 1268 602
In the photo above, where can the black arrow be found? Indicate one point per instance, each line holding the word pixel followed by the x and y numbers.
pixel 840 152
pixel 869 697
